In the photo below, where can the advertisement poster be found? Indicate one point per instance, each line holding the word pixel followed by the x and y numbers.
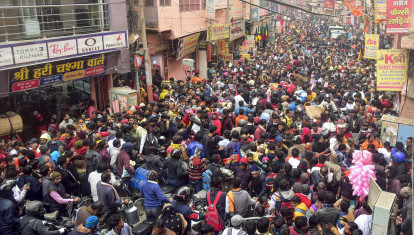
pixel 123 102
pixel 391 70
pixel 211 9
pixel 47 74
pixel 389 132
pixel 218 31
pixel 398 12
pixel 329 4
pixel 187 45
pixel 380 13
pixel 371 46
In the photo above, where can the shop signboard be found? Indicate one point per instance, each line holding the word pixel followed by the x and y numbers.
pixel 236 9
pixel 220 4
pixel 380 10
pixel 227 57
pixel 237 29
pixel 42 51
pixel 398 21
pixel 30 53
pixel 30 77
pixel 371 46
pixel 187 45
pixel 6 56
pixel 391 69
pixel 218 31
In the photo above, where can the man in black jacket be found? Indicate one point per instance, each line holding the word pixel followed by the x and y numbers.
pixel 32 224
pixel 257 183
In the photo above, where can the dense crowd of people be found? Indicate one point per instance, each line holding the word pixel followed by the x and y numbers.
pixel 242 134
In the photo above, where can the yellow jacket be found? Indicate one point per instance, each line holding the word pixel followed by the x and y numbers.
pixel 302 207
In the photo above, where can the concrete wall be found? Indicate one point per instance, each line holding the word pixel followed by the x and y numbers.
pixel 180 23
pixel 118 21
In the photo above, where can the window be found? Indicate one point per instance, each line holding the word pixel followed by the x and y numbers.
pixel 149 3
pixel 189 5
pixel 165 2
pixel 50 18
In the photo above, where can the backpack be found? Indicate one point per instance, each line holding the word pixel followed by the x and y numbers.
pixel 230 231
pixel 307 213
pixel 285 202
pixel 236 150
pixel 206 179
pixel 212 216
pixel 151 140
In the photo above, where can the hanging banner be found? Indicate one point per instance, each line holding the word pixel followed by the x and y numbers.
pixel 380 10
pixel 391 70
pixel 218 31
pixel 26 78
pixel 211 9
pixel 254 14
pixel 356 7
pixel 398 12
pixel 221 47
pixel 209 52
pixel 371 46
pixel 329 4
pixel 187 45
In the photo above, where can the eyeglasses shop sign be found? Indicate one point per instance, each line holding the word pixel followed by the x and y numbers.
pixel 67 47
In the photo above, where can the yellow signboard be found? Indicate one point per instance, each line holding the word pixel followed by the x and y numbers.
pixel 218 31
pixel 246 56
pixel 227 57
pixel 391 70
pixel 371 46
pixel 187 45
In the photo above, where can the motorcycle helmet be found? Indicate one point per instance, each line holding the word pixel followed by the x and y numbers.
pixel 152 175
pixel 183 194
pixel 35 208
pixel 176 153
pixel 327 97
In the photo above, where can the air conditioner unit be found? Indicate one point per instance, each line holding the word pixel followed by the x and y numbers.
pixel 31 28
pixel 29 20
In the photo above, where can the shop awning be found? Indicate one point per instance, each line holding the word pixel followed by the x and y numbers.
pixel 157 49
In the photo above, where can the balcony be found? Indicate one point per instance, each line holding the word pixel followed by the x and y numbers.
pixel 29 21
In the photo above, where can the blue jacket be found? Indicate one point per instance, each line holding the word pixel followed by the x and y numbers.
pixel 9 223
pixel 193 146
pixel 153 197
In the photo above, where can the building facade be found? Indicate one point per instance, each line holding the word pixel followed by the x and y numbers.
pixel 56 55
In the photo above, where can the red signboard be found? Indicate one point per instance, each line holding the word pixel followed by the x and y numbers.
pixel 95 70
pixel 21 86
pixel 398 12
pixel 329 4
